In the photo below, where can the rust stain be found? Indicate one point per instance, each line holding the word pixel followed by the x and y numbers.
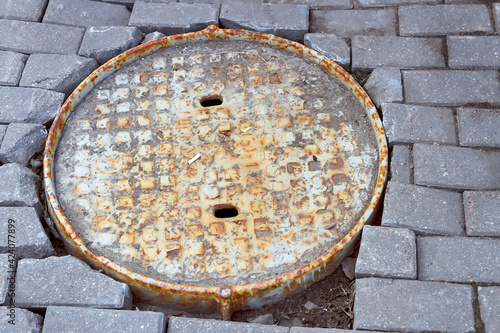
pixel 224 299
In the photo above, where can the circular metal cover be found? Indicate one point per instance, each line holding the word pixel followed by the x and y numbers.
pixel 216 162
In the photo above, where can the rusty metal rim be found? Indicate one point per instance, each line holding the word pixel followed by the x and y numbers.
pixel 308 273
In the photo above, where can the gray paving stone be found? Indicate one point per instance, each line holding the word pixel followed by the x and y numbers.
pixel 456 167
pixel 330 46
pixel 401 164
pixel 34 37
pixel 18 187
pixel 128 3
pixel 16 320
pixel 85 13
pixel 28 105
pixel 21 142
pixel 59 72
pixel 3 129
pixel 496 16
pixel 188 325
pixel 152 36
pixel 424 210
pixel 489 306
pixel 288 21
pixel 7 278
pixel 414 123
pixel 325 330
pixel 30 238
pixel 442 20
pixel 473 52
pixel 412 306
pixel 451 87
pixel 11 67
pixel 104 43
pixel 386 3
pixel 22 10
pixel 458 259
pixel 67 281
pixel 173 18
pixel 73 319
pixel 369 52
pixel 347 23
pixel 479 127
pixel 387 252
pixel 384 85
pixel 482 213
pixel 337 4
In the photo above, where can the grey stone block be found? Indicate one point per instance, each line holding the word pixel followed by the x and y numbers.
pixel 458 259
pixel 152 36
pixel 496 16
pixel 104 43
pixel 128 3
pixel 3 129
pixel 287 21
pixel 387 252
pixel 479 127
pixel 412 306
pixel 173 18
pixel 347 23
pixel 28 105
pixel 84 13
pixel 336 4
pixel 18 187
pixel 386 3
pixel 369 52
pixel 67 281
pixel 489 306
pixel 401 164
pixel 331 47
pixel 473 52
pixel 325 330
pixel 451 87
pixel 16 320
pixel 7 277
pixel 482 213
pixel 414 123
pixel 11 67
pixel 384 85
pixel 21 142
pixel 22 10
pixel 456 167
pixel 30 238
pixel 73 319
pixel 59 72
pixel 188 325
pixel 424 210
pixel 442 20
pixel 34 37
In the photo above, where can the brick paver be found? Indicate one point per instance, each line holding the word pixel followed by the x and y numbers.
pixel 21 142
pixel 424 210
pixel 489 306
pixel 16 320
pixel 478 127
pixel 414 123
pixel 456 167
pixel 369 52
pixel 75 319
pixel 458 259
pixel 473 52
pixel 188 325
pixel 347 23
pixel 22 10
pixel 400 170
pixel 442 20
pixel 173 18
pixel 384 85
pixel 331 47
pixel 11 67
pixel 482 211
pixel 412 306
pixel 288 21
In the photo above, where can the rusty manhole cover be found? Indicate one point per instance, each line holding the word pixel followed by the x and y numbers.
pixel 214 167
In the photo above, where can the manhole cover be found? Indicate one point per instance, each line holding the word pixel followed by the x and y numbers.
pixel 219 168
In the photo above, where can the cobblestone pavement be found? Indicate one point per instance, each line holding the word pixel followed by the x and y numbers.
pixel 433 264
